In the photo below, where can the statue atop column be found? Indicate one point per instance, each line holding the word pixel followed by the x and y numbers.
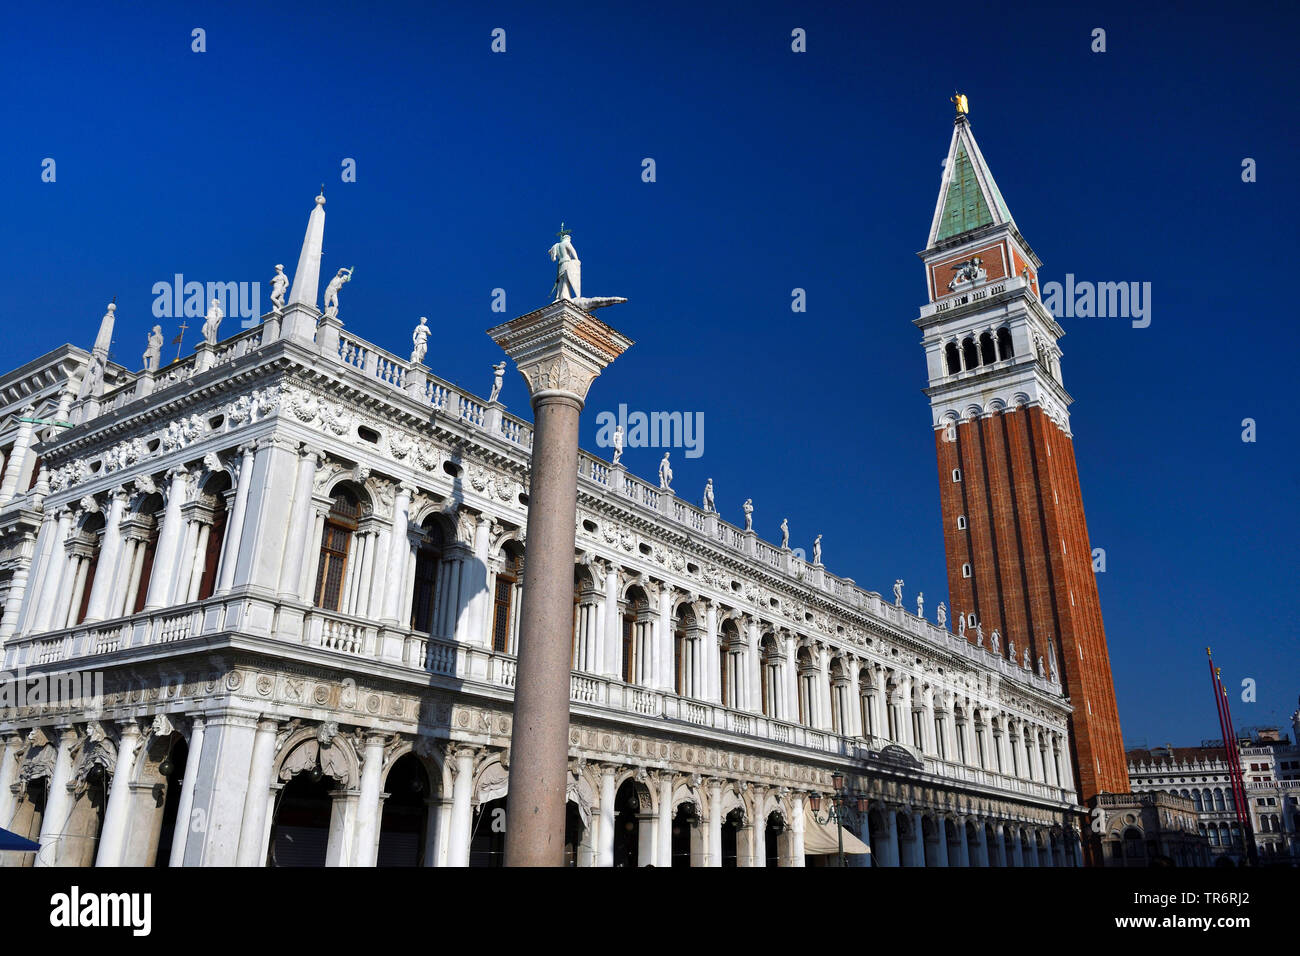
pixel 1024 660
pixel 279 285
pixel 568 276
pixel 1042 671
pixel 961 625
pixel 153 353
pixel 212 323
pixel 618 444
pixel 941 615
pixel 1011 650
pixel 748 508
pixel 920 604
pixel 898 592
pixel 817 550
pixel 332 292
pixel 708 497
pixel 498 375
pixel 420 341
pixel 665 474
pixel 785 534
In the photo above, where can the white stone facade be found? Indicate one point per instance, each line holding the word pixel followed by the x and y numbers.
pixel 294 562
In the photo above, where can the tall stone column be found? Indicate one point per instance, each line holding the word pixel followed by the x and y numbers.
pixel 608 816
pixel 166 557
pixel 715 822
pixel 53 570
pixel 299 524
pixel 253 830
pixel 58 801
pixel 893 856
pixel 113 837
pixel 462 811
pixel 17 458
pixel 559 350
pixel 186 805
pixel 712 689
pixel 107 577
pixel 918 840
pixel 942 845
pixel 235 526
pixel 758 835
pixel 613 662
pixel 369 807
pixel 398 550
pixel 796 830
pixel 9 753
pixel 664 851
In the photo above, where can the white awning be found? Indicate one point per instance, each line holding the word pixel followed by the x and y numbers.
pixel 821 839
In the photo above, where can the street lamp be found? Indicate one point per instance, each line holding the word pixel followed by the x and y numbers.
pixel 840 799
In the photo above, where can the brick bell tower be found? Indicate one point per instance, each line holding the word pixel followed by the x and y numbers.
pixel 1019 558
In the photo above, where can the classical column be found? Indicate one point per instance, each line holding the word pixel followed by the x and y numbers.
pixel 942 836
pixel 478 575
pixel 14 603
pixel 796 831
pixel 10 752
pixel 753 661
pixel 918 840
pixel 821 704
pixel 613 627
pixel 17 457
pixel 113 835
pixel 299 522
pixel 790 668
pixel 53 571
pixel 981 845
pixel 605 849
pixel 58 801
pixel 715 823
pixel 169 540
pixel 110 551
pixel 235 526
pixel 252 832
pixel 559 350
pixel 1017 854
pixel 39 571
pixel 758 833
pixel 366 846
pixel 963 844
pixel 893 856
pixel 462 812
pixel 186 804
pixel 662 656
pixel 712 690
pixel 664 851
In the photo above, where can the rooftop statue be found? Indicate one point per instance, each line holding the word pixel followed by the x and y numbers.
pixel 212 323
pixel 498 375
pixel 153 353
pixel 785 533
pixel 898 592
pixel 748 507
pixel 332 292
pixel 817 550
pixel 941 615
pixel 420 341
pixel 708 497
pixel 279 285
pixel 665 474
pixel 618 444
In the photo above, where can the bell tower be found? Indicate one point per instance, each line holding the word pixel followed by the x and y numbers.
pixel 1018 554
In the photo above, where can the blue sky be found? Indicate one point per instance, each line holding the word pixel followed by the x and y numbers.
pixel 775 170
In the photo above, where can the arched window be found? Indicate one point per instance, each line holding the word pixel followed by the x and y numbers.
pixel 1218 799
pixel 1005 350
pixel 683 658
pixel 336 540
pixel 807 686
pixel 217 489
pixel 728 659
pixel 953 357
pixel 969 356
pixel 638 637
pixel 866 689
pixel 505 600
pixel 988 354
pixel 141 532
pixel 85 562
pixel 428 556
pixel 770 674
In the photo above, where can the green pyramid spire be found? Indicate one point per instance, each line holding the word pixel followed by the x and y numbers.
pixel 968 196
